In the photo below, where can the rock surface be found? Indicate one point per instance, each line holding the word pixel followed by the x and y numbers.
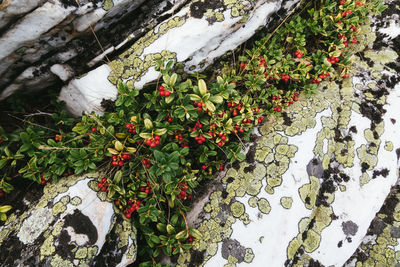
pixel 70 225
pixel 194 37
pixel 44 42
pixel 313 187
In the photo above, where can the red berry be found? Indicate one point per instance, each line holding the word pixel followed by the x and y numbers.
pixel 128 215
pixel 219 144
pixel 120 163
pixel 157 138
pixel 99 185
pixel 169 119
pixel 126 156
pixel 153 145
pixel 221 167
pixel 104 180
pixel 144 162
pixel 204 167
pixel 115 163
pixel 104 189
pixel 167 93
pixel 94 129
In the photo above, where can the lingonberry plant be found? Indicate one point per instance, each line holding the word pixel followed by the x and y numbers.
pixel 161 142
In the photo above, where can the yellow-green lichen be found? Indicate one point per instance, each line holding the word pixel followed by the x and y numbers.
pixel 264 206
pixel 286 202
pixel 237 209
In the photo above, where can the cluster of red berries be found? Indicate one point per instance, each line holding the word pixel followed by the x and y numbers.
pixel 118 160
pixel 353 28
pixel 223 141
pixel 359 3
pixel 131 128
pixel 262 62
pixel 243 65
pixel 163 91
pixel 342 2
pixel 146 163
pixel 146 189
pixel 238 128
pixel 58 138
pixel 324 75
pixel 345 13
pixel 285 77
pixel 153 142
pixel 298 54
pixel 103 185
pixel 316 81
pixel 43 180
pixel 333 60
pixel 169 119
pixel 182 194
pixel 199 105
pixel 132 206
pixel 346 75
pixel 200 139
pixel 236 107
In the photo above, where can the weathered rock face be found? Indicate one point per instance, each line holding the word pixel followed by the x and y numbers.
pixel 70 225
pixel 194 37
pixel 44 42
pixel 320 185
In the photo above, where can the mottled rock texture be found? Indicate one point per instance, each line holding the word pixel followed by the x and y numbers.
pixel 46 42
pixel 69 225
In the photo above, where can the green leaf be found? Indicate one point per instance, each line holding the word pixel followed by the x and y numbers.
pixel 117 176
pixel 158 155
pixel 145 135
pixel 3 163
pixel 202 87
pixel 170 229
pixel 160 132
pixel 119 146
pixel 169 99
pixel 148 124
pixel 181 235
pixel 217 99
pixel 5 208
pixel 25 137
pixel 210 106
pixel 194 97
pixel 173 79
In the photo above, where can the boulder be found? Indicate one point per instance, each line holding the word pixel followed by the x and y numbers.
pixel 44 43
pixel 193 37
pixel 320 185
pixel 71 224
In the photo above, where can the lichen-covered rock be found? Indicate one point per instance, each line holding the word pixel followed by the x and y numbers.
pixel 200 32
pixel 325 169
pixel 70 225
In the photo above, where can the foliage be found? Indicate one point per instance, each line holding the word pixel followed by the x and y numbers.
pixel 160 143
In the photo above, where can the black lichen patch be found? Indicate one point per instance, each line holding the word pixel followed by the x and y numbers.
pixel 340 244
pixel 196 258
pixel 286 119
pixel 110 253
pixel 314 263
pixel 81 225
pixel 11 249
pixel 197 9
pixel 251 154
pixel 349 228
pixel 364 167
pixel 64 248
pixel 393 121
pixel 232 247
pixel 376 227
pixel 249 168
pixel 384 172
pixel 353 129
